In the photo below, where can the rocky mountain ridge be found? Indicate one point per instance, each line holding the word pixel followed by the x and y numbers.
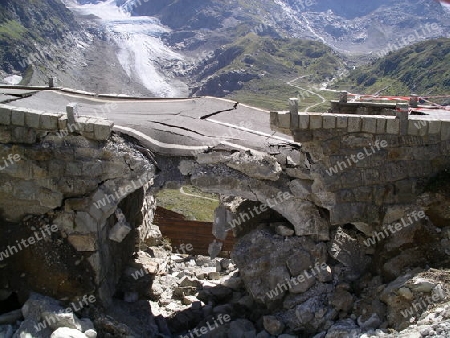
pixel 24 25
pixel 350 26
pixel 241 49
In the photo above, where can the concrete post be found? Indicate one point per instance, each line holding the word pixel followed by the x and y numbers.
pixel 52 81
pixel 72 113
pixel 274 118
pixel 293 110
pixel 343 97
pixel 414 101
pixel 402 111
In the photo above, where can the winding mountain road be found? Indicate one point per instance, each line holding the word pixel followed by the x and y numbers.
pixel 310 92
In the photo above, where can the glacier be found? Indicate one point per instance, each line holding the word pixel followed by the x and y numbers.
pixel 142 53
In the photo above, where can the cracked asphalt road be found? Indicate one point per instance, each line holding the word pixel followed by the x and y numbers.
pixel 171 126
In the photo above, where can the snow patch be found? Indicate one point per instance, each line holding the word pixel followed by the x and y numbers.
pixel 13 79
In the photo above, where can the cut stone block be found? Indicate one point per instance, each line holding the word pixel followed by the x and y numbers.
pixel 273 117
pixel 393 126
pixel 369 125
pixel 32 119
pixel 381 125
pixel 5 115
pixel 24 135
pixel 49 121
pixel 434 127
pixel 329 121
pixel 303 122
pixel 354 124
pixel 445 130
pixel 5 135
pixel 102 130
pixel 315 121
pixel 341 121
pixel 284 120
pixel 17 117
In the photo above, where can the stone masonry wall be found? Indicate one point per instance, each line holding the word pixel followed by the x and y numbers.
pixel 366 188
pixel 83 180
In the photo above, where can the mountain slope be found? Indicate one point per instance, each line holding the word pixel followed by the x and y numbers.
pixel 421 68
pixel 256 70
pixel 249 50
pixel 242 68
pixel 348 26
pixel 43 38
pixel 27 24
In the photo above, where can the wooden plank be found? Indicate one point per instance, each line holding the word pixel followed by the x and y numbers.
pixel 181 231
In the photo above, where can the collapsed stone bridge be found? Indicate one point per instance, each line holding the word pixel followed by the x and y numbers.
pixel 365 189
pixel 70 163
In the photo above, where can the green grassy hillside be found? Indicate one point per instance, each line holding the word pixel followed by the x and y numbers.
pixel 26 24
pixel 422 68
pixel 200 208
pixel 256 70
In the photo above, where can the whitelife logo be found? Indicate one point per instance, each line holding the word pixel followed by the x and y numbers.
pixel 420 124
pixel 221 319
pixel 393 228
pixel 341 165
pixel 423 304
pixel 418 35
pixel 47 230
pixel 297 280
pixel 270 202
pixel 12 159
pixel 109 199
